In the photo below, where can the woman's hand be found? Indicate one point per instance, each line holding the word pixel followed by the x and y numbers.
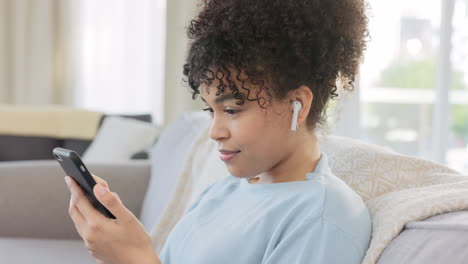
pixel 110 241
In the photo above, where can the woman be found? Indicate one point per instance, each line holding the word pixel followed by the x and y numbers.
pixel 251 62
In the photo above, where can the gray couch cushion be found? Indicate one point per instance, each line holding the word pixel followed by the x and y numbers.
pixel 439 239
pixel 167 161
pixel 26 148
pixel 34 198
pixel 44 251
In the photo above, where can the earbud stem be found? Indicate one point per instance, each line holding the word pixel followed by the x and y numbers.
pixel 296 107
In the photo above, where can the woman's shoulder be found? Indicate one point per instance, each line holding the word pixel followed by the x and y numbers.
pixel 345 209
pixel 341 204
pixel 338 195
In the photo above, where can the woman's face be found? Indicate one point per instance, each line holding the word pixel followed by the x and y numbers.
pixel 251 139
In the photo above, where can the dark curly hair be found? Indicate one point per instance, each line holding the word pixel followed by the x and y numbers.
pixel 279 45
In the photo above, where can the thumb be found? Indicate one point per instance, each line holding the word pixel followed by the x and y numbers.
pixel 111 201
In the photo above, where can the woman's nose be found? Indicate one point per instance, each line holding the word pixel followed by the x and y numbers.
pixel 218 130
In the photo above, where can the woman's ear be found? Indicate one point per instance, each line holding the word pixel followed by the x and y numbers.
pixel 304 95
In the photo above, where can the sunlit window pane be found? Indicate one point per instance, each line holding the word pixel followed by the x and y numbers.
pixel 398 76
pixel 457 154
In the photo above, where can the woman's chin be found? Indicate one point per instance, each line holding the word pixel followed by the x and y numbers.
pixel 239 173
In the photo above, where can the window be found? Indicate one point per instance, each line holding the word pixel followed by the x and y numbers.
pixel 120 56
pixel 457 154
pixel 413 84
pixel 398 75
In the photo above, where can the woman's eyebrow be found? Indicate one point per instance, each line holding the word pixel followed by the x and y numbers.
pixel 222 98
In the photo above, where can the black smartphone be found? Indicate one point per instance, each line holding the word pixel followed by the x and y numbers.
pixel 75 168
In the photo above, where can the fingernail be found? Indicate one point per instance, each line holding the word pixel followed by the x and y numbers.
pixel 67 180
pixel 101 190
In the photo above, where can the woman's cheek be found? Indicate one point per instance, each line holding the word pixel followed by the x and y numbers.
pixel 247 132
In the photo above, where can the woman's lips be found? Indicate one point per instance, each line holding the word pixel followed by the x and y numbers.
pixel 227 156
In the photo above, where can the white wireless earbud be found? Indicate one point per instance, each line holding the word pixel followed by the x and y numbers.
pixel 296 107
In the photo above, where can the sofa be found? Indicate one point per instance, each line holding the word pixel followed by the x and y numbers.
pixel 35 226
pixel 31 147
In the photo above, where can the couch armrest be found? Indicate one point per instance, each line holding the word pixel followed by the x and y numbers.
pixel 34 197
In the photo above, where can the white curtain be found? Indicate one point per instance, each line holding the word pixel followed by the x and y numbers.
pixel 54 52
pixel 35 50
pixel 119 51
pixel 177 98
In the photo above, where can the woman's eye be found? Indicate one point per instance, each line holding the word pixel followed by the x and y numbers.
pixel 210 110
pixel 231 111
pixel 228 111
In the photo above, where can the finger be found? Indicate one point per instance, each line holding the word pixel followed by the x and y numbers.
pixel 100 181
pixel 80 200
pixel 76 217
pixel 112 202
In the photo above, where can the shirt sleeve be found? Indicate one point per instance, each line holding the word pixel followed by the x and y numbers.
pixel 315 242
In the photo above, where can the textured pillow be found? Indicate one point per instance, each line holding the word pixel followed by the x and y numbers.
pixel 119 138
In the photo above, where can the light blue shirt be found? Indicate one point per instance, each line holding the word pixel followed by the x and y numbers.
pixel 320 220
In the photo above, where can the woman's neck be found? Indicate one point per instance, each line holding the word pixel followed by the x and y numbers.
pixel 301 160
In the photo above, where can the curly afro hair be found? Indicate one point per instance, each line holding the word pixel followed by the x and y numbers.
pixel 278 45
